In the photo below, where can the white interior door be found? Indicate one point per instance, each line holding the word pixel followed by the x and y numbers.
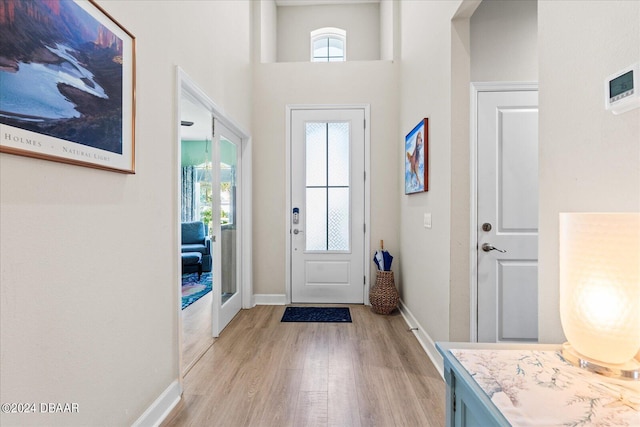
pixel 328 210
pixel 507 215
pixel 227 296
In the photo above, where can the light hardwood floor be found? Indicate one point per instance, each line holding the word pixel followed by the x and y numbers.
pixel 196 330
pixel 261 372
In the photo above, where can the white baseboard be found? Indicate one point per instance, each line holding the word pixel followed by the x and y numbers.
pixel 270 299
pixel 161 407
pixel 424 339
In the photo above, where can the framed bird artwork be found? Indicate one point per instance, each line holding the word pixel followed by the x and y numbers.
pixel 416 159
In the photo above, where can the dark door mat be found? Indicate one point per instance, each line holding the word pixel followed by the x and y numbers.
pixel 317 314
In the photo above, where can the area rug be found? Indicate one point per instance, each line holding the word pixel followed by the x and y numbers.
pixel 317 314
pixel 194 289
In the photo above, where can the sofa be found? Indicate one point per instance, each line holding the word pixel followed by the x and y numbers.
pixel 195 239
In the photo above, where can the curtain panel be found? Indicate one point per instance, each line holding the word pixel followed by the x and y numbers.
pixel 189 201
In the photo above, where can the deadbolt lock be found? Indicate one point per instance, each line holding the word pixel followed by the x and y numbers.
pixel 486 227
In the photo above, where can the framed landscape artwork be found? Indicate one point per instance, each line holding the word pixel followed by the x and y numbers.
pixel 416 160
pixel 67 81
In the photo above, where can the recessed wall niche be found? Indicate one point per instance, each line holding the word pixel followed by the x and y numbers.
pixel 286 25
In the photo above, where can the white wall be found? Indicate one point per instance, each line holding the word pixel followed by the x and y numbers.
pixel 491 41
pixel 426 92
pixel 89 259
pixel 279 84
pixel 504 41
pixel 268 31
pixel 389 31
pixel 589 158
pixel 459 292
pixel 361 22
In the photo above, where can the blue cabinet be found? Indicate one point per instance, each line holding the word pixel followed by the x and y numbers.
pixel 530 384
pixel 467 404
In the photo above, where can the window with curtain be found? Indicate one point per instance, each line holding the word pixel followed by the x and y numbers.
pixel 189 201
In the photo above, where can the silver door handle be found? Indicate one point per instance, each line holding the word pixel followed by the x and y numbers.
pixel 296 231
pixel 488 248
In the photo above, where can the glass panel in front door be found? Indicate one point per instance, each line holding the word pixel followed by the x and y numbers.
pixel 228 217
pixel 327 186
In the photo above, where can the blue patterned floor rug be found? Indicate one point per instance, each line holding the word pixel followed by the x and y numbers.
pixel 194 289
pixel 317 314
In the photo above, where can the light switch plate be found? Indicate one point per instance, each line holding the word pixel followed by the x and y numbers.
pixel 427 220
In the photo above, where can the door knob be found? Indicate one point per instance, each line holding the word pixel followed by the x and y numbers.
pixel 488 248
pixel 296 231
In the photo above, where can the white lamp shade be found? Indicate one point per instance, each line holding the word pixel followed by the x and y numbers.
pixel 600 284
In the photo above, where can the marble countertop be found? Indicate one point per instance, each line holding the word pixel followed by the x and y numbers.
pixel 538 388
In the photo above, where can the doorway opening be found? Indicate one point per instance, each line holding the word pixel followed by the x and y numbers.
pixel 213 219
pixel 196 204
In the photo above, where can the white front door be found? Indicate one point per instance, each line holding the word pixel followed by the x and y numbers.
pixel 507 215
pixel 328 211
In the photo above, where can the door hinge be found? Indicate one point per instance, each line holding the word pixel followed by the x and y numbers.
pixel 364 227
pixel 365 175
pixel 213 127
pixel 365 123
pixel 454 401
pixel 364 280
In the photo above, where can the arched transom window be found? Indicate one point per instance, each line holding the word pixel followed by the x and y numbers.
pixel 328 45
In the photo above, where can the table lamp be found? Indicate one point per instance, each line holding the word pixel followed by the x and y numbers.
pixel 600 292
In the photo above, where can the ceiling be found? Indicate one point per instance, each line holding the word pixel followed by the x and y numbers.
pixel 320 2
pixel 192 111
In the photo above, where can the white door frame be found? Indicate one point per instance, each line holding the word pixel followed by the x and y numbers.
pixel 476 88
pixel 184 84
pixel 367 188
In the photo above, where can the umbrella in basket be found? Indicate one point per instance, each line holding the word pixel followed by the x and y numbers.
pixel 383 296
pixel 383 258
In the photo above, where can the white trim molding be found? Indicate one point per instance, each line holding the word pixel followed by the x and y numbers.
pixel 161 407
pixel 270 299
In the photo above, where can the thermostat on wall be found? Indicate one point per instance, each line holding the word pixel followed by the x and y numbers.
pixel 622 90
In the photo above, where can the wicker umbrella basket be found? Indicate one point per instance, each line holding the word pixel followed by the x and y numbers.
pixel 383 296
